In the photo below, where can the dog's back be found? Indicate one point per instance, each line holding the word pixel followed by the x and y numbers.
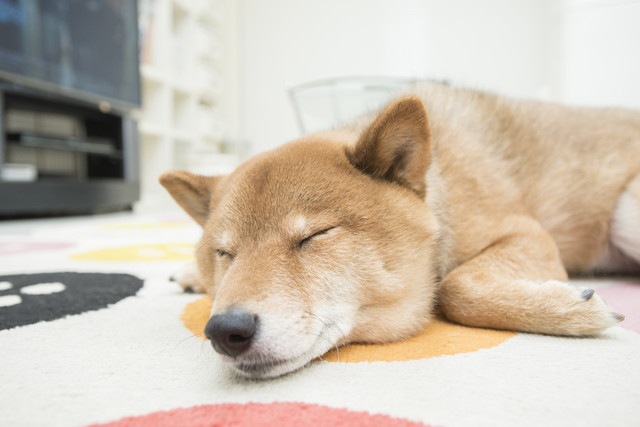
pixel 565 166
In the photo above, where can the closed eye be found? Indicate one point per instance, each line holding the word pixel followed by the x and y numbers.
pixel 316 234
pixel 224 254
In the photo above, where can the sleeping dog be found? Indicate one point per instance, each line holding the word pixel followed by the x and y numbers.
pixel 449 199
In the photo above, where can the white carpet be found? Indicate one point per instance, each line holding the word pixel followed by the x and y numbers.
pixel 136 357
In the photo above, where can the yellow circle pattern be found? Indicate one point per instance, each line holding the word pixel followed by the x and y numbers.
pixel 140 226
pixel 138 253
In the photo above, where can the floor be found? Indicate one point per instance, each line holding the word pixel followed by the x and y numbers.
pixel 92 331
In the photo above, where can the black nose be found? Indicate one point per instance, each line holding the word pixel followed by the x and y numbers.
pixel 232 331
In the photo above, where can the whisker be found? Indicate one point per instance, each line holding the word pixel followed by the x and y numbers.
pixel 328 327
pixel 202 347
pixel 185 339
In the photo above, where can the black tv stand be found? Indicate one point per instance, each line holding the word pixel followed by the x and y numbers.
pixel 76 159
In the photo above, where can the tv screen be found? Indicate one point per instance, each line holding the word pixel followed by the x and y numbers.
pixel 83 48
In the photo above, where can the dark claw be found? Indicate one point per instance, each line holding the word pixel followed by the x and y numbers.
pixel 587 294
pixel 619 317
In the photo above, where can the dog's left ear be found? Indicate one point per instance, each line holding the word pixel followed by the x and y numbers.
pixel 193 192
pixel 397 146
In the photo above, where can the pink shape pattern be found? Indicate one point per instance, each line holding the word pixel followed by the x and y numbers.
pixel 283 414
pixel 12 248
pixel 624 299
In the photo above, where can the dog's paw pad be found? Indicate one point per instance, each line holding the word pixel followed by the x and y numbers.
pixel 587 294
pixel 619 317
pixel 594 315
pixel 573 311
pixel 187 278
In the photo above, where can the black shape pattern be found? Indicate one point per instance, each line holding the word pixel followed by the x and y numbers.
pixel 83 292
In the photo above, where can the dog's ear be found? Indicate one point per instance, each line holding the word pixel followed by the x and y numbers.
pixel 192 192
pixel 396 146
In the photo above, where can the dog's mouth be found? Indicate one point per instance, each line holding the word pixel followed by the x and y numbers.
pixel 267 358
pixel 265 368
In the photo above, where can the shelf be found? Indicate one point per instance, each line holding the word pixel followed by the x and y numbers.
pixel 181 135
pixel 209 14
pixel 182 89
pixel 153 130
pixel 55 196
pixel 101 147
pixel 153 74
pixel 183 6
pixel 186 47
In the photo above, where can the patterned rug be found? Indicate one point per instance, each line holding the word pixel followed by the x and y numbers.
pixel 92 332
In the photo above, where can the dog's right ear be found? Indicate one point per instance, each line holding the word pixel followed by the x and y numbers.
pixel 396 147
pixel 192 192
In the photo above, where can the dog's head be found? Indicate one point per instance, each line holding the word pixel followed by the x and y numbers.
pixel 316 244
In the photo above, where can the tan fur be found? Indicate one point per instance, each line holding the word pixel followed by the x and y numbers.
pixel 481 207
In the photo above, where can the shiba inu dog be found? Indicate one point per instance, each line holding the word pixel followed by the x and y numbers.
pixel 452 200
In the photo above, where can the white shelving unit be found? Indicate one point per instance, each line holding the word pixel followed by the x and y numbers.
pixel 183 123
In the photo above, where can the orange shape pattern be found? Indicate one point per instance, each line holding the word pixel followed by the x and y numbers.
pixel 439 338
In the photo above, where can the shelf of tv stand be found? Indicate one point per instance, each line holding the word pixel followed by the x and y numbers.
pixel 51 196
pixel 76 145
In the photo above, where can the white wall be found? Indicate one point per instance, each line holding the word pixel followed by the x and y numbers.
pixel 584 51
pixel 602 52
pixel 291 41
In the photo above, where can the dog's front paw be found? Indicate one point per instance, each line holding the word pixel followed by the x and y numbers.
pixel 576 312
pixel 188 278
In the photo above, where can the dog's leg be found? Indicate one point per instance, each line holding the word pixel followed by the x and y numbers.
pixel 518 283
pixel 188 278
pixel 625 223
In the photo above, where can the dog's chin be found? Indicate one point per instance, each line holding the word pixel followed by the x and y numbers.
pixel 266 369
pixel 263 361
pixel 265 366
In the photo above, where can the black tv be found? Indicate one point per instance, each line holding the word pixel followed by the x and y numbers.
pixel 84 49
